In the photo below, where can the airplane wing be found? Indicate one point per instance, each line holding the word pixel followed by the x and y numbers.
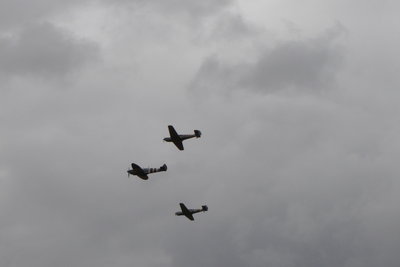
pixel 175 137
pixel 172 132
pixel 186 212
pixel 136 167
pixel 139 171
pixel 178 144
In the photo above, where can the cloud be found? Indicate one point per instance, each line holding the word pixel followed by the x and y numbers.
pixel 17 13
pixel 14 13
pixel 287 184
pixel 44 50
pixel 191 8
pixel 302 179
pixel 301 65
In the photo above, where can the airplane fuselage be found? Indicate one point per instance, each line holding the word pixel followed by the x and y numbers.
pixel 188 213
pixel 181 137
pixel 192 211
pixel 177 139
pixel 142 172
pixel 145 170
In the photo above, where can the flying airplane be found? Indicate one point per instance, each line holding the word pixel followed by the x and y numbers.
pixel 178 138
pixel 142 173
pixel 189 212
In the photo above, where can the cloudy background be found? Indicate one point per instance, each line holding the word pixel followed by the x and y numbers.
pixel 297 102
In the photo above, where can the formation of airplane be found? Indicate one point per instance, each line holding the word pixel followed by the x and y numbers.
pixel 142 173
pixel 189 212
pixel 177 139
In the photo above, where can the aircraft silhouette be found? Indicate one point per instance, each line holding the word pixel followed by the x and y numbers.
pixel 189 212
pixel 142 172
pixel 178 138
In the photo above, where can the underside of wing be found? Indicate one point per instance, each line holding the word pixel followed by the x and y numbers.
pixel 178 144
pixel 143 176
pixel 172 132
pixel 189 216
pixel 175 137
pixel 139 171
pixel 186 212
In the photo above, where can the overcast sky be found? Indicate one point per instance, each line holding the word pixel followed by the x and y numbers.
pixel 297 102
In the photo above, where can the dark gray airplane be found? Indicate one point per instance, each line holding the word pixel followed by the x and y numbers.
pixel 189 212
pixel 178 138
pixel 142 173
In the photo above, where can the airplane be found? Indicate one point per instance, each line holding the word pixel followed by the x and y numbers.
pixel 189 212
pixel 178 138
pixel 142 173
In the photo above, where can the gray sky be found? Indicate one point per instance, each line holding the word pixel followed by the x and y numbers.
pixel 297 102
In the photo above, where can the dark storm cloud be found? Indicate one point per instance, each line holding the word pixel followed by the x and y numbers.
pixel 20 12
pixel 43 49
pixel 193 7
pixel 298 179
pixel 190 8
pixel 306 65
pixel 287 186
pixel 232 28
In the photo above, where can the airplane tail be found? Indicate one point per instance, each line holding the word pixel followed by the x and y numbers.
pixel 205 208
pixel 197 133
pixel 163 168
